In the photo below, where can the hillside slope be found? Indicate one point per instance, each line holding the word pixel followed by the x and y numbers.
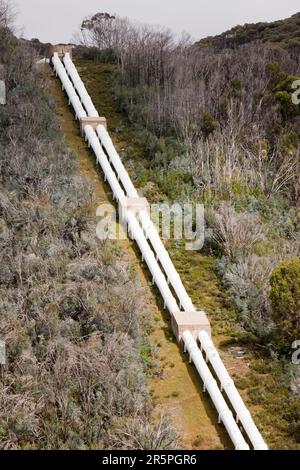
pixel 284 33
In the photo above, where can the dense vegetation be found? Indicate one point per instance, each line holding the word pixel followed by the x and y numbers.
pixel 71 310
pixel 284 33
pixel 285 300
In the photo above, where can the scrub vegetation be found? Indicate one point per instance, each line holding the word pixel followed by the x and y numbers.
pixel 71 308
pixel 213 123
pixel 283 33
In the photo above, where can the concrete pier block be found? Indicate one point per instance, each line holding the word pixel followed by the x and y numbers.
pixel 61 49
pixel 189 321
pixel 93 122
pixel 135 204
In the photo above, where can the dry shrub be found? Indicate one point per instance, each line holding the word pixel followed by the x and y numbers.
pixel 141 435
pixel 72 317
pixel 235 233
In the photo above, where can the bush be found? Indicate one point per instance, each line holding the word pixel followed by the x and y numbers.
pixel 175 184
pixel 107 56
pixel 285 301
pixel 208 125
pixel 247 283
pixel 235 233
pixel 140 435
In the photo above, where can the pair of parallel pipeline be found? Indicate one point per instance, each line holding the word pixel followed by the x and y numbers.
pixel 163 272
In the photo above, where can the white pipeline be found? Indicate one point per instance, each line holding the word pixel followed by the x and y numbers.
pixel 147 224
pixel 133 225
pixel 149 229
pixel 225 415
pixel 80 87
pixel 109 174
pixel 142 230
pixel 116 161
pixel 166 262
pixel 227 384
pixel 68 87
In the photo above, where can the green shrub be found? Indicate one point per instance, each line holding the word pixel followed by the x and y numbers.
pixel 285 301
pixel 208 124
pixel 176 183
pixel 276 75
pixel 107 56
pixel 286 107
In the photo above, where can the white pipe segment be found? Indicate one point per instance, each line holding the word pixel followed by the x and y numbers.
pixel 147 224
pixel 93 141
pixel 227 384
pixel 148 255
pixel 68 87
pixel 225 415
pixel 142 229
pixel 166 262
pixel 133 225
pixel 80 87
pixel 116 161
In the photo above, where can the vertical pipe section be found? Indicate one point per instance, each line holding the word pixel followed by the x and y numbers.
pixel 225 415
pixel 166 262
pixel 93 142
pixel 148 255
pixel 227 384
